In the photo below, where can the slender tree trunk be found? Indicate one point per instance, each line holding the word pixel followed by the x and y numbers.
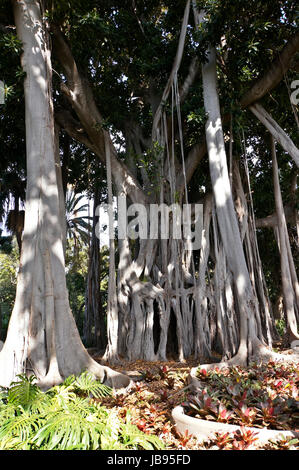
pixel 42 336
pixel 61 194
pixel 111 353
pixel 94 324
pixel 245 211
pixel 276 131
pixel 286 278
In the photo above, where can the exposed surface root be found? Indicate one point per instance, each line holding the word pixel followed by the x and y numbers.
pixel 262 355
pixel 109 377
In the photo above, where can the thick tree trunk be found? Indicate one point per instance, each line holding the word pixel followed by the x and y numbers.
pixel 42 336
pixel 226 215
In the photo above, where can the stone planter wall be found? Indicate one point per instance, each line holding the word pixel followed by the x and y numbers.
pixel 205 430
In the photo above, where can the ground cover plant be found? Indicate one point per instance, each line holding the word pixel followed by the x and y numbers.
pixel 66 417
pixel 262 395
pixel 83 414
pixel 163 386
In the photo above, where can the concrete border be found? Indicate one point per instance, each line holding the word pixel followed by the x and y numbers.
pixel 205 430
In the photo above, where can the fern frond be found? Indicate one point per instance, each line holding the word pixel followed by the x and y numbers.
pixel 88 385
pixel 61 395
pixel 3 394
pixel 68 381
pixel 17 430
pixel 110 434
pixel 65 418
pixel 7 411
pixel 24 392
pixel 69 430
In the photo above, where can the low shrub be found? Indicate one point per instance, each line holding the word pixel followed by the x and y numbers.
pixel 66 417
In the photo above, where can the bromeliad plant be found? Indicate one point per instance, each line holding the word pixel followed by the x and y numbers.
pixel 241 439
pixel 66 417
pixel 260 395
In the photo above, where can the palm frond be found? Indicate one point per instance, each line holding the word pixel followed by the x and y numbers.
pixel 78 226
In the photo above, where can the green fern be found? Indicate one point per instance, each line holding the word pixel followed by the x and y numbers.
pixel 87 384
pixel 71 429
pixel 65 418
pixel 24 392
pixel 16 431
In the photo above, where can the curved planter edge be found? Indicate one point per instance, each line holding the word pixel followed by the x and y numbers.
pixel 204 430
pixel 193 380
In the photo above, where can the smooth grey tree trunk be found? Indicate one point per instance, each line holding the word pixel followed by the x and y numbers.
pixel 276 131
pixel 226 215
pixel 42 337
pixel 111 353
pixel 289 296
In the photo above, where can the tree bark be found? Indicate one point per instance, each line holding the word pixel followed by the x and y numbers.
pixel 111 353
pixel 286 278
pixel 42 336
pixel 226 216
pixel 277 132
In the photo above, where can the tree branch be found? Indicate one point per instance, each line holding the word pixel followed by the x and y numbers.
pixel 271 220
pixel 193 71
pixel 257 91
pixel 74 128
pixel 274 74
pixel 79 94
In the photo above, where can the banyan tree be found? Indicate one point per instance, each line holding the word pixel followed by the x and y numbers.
pixel 175 100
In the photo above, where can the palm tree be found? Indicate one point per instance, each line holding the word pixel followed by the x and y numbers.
pixel 78 227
